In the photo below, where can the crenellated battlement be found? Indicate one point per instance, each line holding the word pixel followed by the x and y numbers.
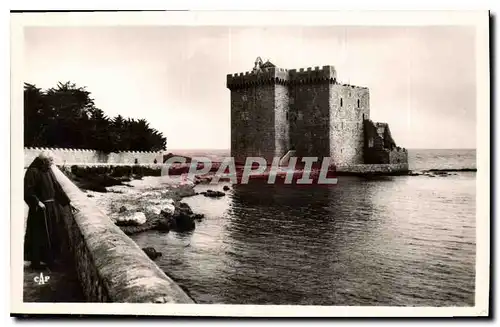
pixel 283 76
pixel 41 149
pixel 308 110
pixel 313 75
pixel 356 87
pixel 266 76
pixel 89 156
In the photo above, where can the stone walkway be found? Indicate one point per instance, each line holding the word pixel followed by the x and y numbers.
pixel 61 286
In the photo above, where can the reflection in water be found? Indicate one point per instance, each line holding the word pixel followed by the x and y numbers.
pixel 388 241
pixel 306 240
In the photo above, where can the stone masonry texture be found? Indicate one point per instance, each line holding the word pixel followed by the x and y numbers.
pixel 83 156
pixel 274 110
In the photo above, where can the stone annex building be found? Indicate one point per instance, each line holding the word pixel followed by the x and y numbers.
pixel 274 110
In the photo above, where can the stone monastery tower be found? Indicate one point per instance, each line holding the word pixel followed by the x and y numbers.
pixel 274 110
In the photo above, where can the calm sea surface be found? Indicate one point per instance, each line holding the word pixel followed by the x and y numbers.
pixel 400 241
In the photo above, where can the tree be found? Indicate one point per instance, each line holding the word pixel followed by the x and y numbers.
pixel 65 116
pixel 36 116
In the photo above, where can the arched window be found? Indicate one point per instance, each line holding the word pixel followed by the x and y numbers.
pixel 358 103
pixel 341 102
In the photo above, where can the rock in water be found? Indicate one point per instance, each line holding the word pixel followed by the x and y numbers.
pixel 155 210
pixel 206 179
pixel 152 253
pixel 136 219
pixel 184 223
pixel 169 208
pixel 181 219
pixel 185 191
pixel 198 216
pixel 184 208
pixel 164 225
pixel 140 217
pixel 214 194
pixel 159 205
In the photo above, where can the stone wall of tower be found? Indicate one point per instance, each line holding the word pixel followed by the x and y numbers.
pixel 259 103
pixel 309 110
pixel 380 147
pixel 309 119
pixel 281 126
pixel 349 107
pixel 274 110
pixel 252 122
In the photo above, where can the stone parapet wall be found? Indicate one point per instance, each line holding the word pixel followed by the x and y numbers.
pixel 111 267
pixel 349 108
pixel 83 156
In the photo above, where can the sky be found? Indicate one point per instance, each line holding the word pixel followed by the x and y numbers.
pixel 422 80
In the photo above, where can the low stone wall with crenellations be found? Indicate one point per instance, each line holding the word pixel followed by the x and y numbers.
pixel 83 156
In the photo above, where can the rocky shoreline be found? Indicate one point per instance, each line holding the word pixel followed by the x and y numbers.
pixel 138 200
pixel 440 172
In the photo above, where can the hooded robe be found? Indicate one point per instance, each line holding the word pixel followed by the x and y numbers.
pixel 42 241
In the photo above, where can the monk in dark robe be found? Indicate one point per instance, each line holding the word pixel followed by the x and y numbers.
pixel 44 196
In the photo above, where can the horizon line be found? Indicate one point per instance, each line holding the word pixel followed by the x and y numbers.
pixel 228 149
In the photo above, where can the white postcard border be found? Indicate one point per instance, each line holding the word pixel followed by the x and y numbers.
pixel 479 19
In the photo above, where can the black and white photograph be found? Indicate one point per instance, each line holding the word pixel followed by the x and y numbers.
pixel 250 163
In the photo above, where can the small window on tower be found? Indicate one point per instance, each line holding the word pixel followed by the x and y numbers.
pixel 358 103
pixel 341 102
pixel 370 143
pixel 244 116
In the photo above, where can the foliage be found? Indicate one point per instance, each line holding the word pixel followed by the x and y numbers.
pixel 66 117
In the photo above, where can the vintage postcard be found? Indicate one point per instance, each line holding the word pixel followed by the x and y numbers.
pixel 250 164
